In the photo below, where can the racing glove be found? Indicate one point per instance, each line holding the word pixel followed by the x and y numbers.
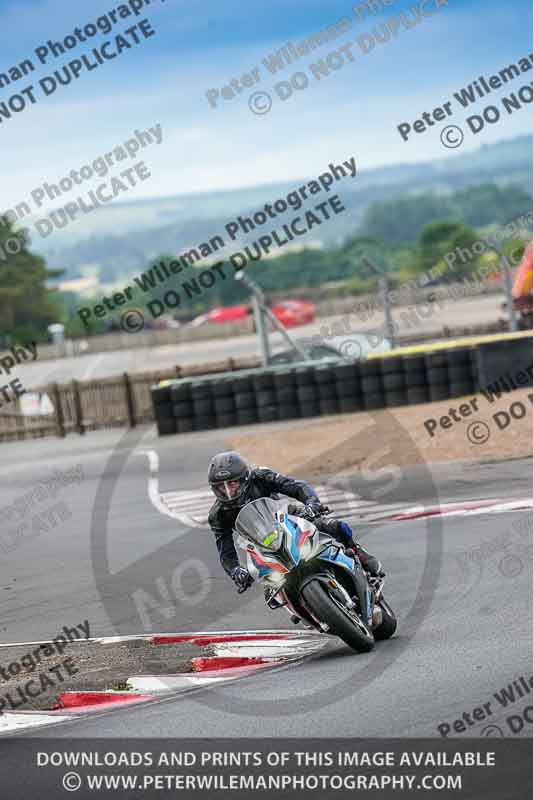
pixel 241 578
pixel 313 509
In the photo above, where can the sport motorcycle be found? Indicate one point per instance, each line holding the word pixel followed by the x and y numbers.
pixel 309 573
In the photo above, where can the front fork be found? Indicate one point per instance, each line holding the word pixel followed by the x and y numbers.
pixel 365 594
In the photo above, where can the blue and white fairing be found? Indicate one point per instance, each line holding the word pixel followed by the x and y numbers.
pixel 275 542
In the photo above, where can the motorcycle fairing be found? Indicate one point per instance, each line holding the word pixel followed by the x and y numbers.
pixel 337 556
pixel 290 539
pixel 260 565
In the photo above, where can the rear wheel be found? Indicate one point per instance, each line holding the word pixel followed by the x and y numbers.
pixel 388 626
pixel 340 620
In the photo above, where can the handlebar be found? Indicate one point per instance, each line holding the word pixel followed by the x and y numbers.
pixel 301 511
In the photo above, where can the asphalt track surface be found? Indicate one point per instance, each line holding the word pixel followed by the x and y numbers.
pixel 473 638
pixel 477 311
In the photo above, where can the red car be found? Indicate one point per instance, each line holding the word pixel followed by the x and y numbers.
pixel 289 312
pixel 294 312
pixel 228 314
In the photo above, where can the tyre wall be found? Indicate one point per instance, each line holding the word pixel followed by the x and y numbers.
pixel 317 389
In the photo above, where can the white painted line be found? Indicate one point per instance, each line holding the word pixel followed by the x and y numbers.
pixel 171 683
pixel 192 507
pixel 12 721
pixel 162 683
pixel 91 367
pixel 153 488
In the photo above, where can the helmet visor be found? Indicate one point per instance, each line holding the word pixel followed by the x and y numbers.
pixel 230 490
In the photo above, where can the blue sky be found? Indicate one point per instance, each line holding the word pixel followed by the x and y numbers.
pixel 200 46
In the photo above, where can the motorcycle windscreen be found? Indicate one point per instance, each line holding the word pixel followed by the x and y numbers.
pixel 257 521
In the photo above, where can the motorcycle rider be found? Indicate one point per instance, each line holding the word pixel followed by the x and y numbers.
pixel 235 483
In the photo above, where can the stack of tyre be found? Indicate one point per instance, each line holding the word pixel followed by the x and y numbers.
pixel 450 373
pixel 163 410
pixel 208 403
pixel 381 383
pixel 307 394
pixel 372 384
pixel 312 390
pixel 254 400
pixel 416 380
pixel 286 393
pixel 462 371
pixel 349 387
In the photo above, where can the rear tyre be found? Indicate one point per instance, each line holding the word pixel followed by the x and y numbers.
pixel 388 626
pixel 340 622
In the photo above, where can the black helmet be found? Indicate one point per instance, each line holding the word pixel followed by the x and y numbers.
pixel 229 476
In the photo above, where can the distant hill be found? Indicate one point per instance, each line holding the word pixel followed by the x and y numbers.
pixel 122 238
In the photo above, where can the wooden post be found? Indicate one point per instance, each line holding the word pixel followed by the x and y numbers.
pixel 60 420
pixel 20 421
pixel 129 400
pixel 77 408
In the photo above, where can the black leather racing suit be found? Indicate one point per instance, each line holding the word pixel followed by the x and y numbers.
pixel 265 482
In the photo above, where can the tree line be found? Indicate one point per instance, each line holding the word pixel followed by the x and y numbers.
pixel 405 236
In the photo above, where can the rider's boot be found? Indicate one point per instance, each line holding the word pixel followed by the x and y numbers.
pixel 370 563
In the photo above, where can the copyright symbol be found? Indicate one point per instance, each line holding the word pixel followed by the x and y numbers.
pixel 351 350
pixel 132 321
pixel 71 781
pixel 511 566
pixel 452 137
pixel 260 103
pixel 492 730
pixel 478 432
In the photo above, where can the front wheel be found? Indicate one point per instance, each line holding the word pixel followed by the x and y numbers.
pixel 340 620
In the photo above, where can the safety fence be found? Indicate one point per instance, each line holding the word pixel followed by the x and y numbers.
pixel 80 406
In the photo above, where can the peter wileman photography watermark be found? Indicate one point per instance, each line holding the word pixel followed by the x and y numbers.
pixel 478 432
pixel 452 136
pixel 511 550
pixel 260 101
pixel 24 518
pixel 418 311
pixel 519 687
pixel 18 354
pixel 88 61
pixel 133 320
pixel 414 314
pixel 42 682
pixel 49 192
